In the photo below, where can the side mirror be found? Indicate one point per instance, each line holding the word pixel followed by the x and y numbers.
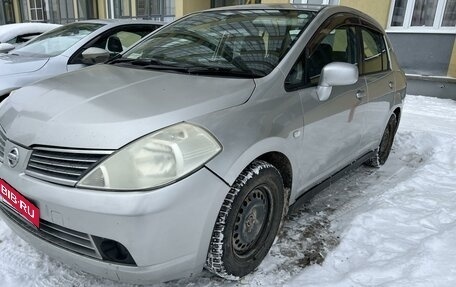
pixel 6 47
pixel 336 74
pixel 94 55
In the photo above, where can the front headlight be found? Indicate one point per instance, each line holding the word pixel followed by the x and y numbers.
pixel 154 160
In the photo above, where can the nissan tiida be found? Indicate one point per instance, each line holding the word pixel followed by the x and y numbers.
pixel 186 151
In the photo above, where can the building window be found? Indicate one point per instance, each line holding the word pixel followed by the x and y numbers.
pixel 66 11
pixel 122 9
pixel 8 9
pixel 37 10
pixel 87 9
pixel 160 10
pixel 221 3
pixel 423 15
pixel 449 16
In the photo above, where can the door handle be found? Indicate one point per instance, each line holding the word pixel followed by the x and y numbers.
pixel 360 94
pixel 391 84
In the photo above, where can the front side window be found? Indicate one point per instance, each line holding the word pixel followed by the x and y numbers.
pixel 249 42
pixel 58 40
pixel 423 15
pixel 375 56
pixel 337 46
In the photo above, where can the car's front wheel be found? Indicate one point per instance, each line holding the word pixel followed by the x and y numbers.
pixel 248 222
pixel 386 143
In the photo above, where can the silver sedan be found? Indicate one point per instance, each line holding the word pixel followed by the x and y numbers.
pixel 61 50
pixel 187 151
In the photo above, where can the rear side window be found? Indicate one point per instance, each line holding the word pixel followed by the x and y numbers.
pixel 375 57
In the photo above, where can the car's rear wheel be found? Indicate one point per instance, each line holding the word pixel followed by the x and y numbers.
pixel 248 222
pixel 386 143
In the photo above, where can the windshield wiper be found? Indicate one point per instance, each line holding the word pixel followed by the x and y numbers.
pixel 158 64
pixel 166 67
pixel 145 63
pixel 120 60
pixel 217 71
pixel 207 71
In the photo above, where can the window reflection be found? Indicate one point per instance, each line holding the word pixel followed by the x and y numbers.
pixel 251 41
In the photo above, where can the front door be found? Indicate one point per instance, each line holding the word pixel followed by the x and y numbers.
pixel 332 128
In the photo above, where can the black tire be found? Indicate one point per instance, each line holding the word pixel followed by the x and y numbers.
pixel 384 149
pixel 248 222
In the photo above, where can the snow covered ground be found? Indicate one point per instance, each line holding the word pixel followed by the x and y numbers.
pixel 394 226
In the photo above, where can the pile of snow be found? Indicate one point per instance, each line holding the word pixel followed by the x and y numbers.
pixel 10 31
pixel 393 226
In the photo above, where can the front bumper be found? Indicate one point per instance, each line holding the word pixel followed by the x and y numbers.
pixel 166 231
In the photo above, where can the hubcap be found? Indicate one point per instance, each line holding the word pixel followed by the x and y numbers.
pixel 250 221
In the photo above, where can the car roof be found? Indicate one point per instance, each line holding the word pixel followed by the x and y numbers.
pixel 117 22
pixel 304 7
pixel 330 9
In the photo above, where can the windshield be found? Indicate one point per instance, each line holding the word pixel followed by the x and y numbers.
pixel 58 40
pixel 246 42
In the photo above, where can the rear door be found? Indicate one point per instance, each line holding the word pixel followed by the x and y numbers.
pixel 376 69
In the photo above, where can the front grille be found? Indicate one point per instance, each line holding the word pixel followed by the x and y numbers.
pixel 63 166
pixel 2 145
pixel 71 240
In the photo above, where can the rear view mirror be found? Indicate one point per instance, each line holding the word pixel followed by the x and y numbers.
pixel 6 47
pixel 336 74
pixel 94 55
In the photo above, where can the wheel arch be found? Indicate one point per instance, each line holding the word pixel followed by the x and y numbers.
pixel 276 151
pixel 282 163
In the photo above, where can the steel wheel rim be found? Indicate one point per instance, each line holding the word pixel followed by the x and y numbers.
pixel 251 221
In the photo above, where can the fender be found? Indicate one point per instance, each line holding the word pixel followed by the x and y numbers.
pixel 265 146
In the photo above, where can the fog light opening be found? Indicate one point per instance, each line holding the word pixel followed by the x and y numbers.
pixel 113 251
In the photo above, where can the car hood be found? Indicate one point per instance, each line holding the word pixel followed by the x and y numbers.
pixel 11 64
pixel 106 107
